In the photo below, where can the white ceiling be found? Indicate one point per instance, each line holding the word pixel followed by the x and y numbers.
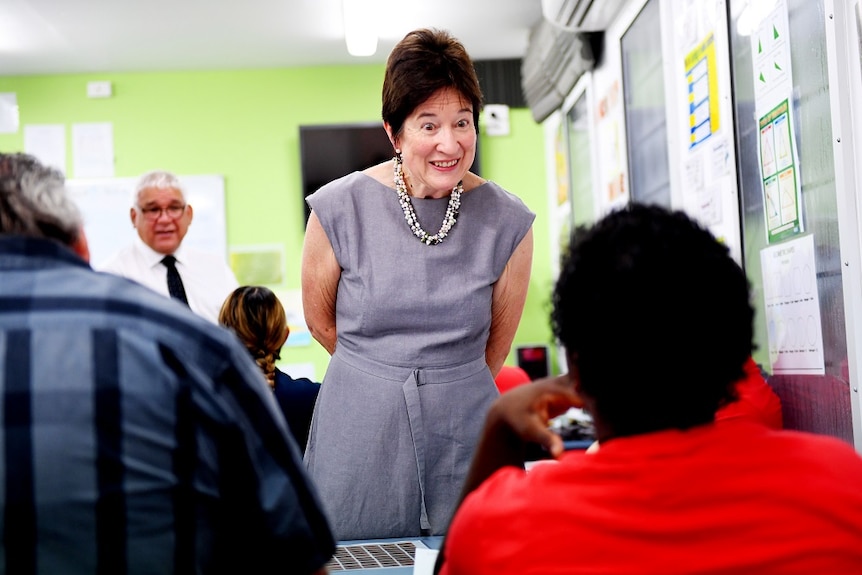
pixel 70 36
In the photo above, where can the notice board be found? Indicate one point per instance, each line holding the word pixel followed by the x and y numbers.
pixel 105 205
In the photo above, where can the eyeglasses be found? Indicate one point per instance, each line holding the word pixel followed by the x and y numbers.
pixel 152 214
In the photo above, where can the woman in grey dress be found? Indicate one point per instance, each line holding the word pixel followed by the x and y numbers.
pixel 419 316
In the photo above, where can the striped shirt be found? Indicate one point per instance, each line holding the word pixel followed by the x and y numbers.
pixel 137 437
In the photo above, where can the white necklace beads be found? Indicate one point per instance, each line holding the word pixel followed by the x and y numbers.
pixel 410 214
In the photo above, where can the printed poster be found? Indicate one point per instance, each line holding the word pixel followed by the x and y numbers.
pixel 792 307
pixel 9 114
pixel 47 142
pixel 773 102
pixel 703 110
pixel 610 124
pixel 93 150
pixel 701 71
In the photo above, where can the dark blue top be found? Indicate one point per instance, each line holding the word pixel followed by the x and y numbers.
pixel 136 436
pixel 296 398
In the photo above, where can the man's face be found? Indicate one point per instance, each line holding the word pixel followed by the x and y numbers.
pixel 162 218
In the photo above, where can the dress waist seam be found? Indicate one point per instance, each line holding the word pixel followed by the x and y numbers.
pixel 427 375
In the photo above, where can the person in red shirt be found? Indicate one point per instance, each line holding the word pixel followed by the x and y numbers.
pixel 755 400
pixel 672 490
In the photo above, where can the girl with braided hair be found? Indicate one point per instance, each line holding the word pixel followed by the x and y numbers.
pixel 257 317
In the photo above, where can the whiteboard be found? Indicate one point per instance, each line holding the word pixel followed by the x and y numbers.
pixel 105 204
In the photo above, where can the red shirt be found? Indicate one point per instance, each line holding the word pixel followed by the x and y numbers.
pixel 756 400
pixel 729 499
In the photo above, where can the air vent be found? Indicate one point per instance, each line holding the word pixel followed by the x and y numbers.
pixel 567 43
pixel 554 61
pixel 500 81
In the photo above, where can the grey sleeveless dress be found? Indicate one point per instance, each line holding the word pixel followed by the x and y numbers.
pixel 405 394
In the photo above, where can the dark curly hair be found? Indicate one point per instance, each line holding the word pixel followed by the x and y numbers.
pixel 655 317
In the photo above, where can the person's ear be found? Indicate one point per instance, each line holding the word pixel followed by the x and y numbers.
pixel 392 139
pixel 573 373
pixel 190 213
pixel 576 384
pixel 81 247
pixel 133 215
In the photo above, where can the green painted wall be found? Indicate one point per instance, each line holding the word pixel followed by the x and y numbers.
pixel 244 124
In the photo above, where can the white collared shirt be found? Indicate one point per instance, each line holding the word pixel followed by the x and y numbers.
pixel 206 277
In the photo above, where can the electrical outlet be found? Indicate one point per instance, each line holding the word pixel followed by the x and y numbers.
pixel 496 119
pixel 99 89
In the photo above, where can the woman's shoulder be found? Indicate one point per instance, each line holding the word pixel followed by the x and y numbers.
pixel 349 181
pixel 472 181
pixel 339 191
pixel 382 173
pixel 493 194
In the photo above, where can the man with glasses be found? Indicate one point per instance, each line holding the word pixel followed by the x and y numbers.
pixel 157 258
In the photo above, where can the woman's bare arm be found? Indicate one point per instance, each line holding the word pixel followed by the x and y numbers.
pixel 320 276
pixel 507 304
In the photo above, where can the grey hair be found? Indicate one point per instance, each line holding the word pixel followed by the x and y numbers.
pixel 34 201
pixel 159 179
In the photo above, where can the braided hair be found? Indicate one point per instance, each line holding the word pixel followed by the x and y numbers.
pixel 258 319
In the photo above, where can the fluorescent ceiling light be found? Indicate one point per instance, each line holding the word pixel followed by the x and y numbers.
pixel 360 33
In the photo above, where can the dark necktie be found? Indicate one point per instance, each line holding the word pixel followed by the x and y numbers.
pixel 175 282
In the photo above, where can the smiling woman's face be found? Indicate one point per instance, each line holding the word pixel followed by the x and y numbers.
pixel 438 144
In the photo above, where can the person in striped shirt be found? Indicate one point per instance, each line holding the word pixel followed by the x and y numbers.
pixel 136 437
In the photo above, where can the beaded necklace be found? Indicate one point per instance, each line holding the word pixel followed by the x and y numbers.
pixel 410 214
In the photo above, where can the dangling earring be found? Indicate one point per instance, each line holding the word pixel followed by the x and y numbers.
pixel 398 154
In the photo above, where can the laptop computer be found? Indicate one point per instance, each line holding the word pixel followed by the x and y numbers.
pixel 380 556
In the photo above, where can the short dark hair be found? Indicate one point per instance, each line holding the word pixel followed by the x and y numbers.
pixel 655 317
pixel 34 201
pixel 423 62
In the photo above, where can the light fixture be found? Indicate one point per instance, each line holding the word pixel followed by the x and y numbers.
pixel 360 33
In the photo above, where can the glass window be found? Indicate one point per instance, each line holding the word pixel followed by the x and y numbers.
pixel 580 162
pixel 646 117
pixel 815 403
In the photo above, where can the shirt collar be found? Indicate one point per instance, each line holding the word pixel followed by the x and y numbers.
pixel 154 258
pixel 674 442
pixel 24 252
